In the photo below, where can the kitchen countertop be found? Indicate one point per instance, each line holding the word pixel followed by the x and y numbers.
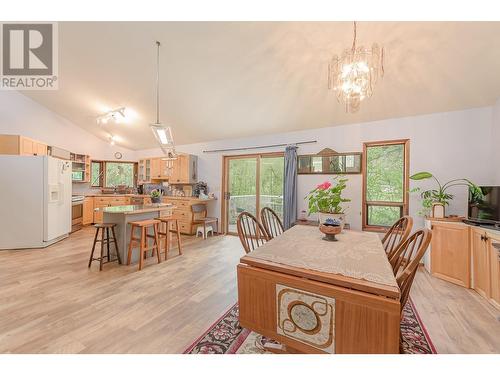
pixel 137 209
pixel 146 196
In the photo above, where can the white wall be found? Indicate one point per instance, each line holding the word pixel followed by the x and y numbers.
pixel 449 145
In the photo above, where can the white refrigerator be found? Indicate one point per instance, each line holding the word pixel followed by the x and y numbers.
pixel 35 201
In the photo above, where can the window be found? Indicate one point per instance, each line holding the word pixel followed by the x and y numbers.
pixel 119 174
pixel 385 183
pixel 96 174
pixel 111 174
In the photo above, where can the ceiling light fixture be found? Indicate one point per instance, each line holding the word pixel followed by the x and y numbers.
pixel 115 115
pixel 162 133
pixel 354 73
pixel 112 140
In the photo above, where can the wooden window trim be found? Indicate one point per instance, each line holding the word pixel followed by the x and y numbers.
pixel 101 174
pixel 406 182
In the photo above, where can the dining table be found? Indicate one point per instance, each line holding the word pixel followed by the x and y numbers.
pixel 318 296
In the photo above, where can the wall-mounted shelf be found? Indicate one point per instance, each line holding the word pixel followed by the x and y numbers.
pixel 329 161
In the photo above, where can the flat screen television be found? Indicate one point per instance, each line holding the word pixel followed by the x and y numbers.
pixel 485 209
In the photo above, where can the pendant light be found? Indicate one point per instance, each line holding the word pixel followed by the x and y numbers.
pixel 162 133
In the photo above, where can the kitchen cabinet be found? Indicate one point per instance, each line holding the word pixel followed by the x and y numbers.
pixel 183 211
pixel 450 252
pixel 185 170
pixel 493 245
pixel 466 255
pixel 155 168
pixel 27 146
pixel 480 261
pixel 88 211
pixel 20 145
pixel 41 148
pixel 144 173
pixel 80 166
pixel 101 202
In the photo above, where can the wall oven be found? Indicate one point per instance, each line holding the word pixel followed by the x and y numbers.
pixel 76 212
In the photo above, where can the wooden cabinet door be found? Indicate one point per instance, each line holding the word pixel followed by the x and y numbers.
pixel 450 253
pixel 155 168
pixel 175 172
pixel 88 211
pixel 26 146
pixel 163 169
pixel 480 262
pixel 183 169
pixel 41 149
pixel 180 171
pixel 494 251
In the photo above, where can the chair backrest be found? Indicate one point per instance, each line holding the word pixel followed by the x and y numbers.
pixel 405 261
pixel 271 223
pixel 199 209
pixel 396 235
pixel 251 233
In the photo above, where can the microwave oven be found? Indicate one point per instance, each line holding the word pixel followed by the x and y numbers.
pixel 78 176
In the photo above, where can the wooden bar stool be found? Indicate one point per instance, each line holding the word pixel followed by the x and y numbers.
pixel 105 240
pixel 142 241
pixel 168 220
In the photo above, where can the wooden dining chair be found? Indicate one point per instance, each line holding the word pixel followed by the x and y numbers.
pixel 250 231
pixel 406 259
pixel 199 217
pixel 271 223
pixel 396 235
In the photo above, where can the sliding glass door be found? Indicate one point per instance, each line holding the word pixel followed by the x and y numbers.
pixel 250 183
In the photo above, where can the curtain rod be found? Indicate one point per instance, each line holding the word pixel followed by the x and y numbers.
pixel 257 147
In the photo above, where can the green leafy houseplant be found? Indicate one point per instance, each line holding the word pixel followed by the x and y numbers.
pixel 440 194
pixel 327 197
pixel 155 196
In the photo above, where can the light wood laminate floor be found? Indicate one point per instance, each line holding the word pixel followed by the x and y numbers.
pixel 50 302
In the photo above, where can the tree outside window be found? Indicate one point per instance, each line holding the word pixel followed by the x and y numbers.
pixel 385 179
pixel 112 174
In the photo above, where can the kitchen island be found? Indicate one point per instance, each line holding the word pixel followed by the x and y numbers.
pixel 123 215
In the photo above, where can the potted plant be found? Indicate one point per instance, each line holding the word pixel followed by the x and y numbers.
pixel 155 196
pixel 326 200
pixel 435 200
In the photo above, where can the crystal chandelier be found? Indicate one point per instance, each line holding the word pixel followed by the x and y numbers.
pixel 354 73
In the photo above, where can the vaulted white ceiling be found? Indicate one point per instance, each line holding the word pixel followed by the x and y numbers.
pixel 233 79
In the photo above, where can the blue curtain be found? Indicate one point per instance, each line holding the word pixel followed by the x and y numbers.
pixel 290 187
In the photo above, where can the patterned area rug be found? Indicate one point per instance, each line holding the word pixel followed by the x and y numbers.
pixel 226 336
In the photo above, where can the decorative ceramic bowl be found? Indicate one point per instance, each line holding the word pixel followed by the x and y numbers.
pixel 330 231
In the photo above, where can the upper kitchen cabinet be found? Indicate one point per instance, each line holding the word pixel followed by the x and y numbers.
pixel 156 169
pixel 184 170
pixel 20 145
pixel 80 165
pixel 144 173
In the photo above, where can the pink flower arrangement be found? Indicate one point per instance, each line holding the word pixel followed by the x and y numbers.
pixel 327 197
pixel 325 185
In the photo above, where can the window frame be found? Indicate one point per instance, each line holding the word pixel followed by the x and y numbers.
pixel 101 174
pixel 406 183
pixel 102 178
